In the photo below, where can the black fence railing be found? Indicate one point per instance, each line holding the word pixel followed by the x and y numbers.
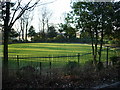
pixel 51 61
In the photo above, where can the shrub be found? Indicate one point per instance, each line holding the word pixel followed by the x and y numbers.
pixel 71 67
pixel 100 66
pixel 88 65
pixel 89 62
pixel 26 72
pixel 115 60
pixel 60 38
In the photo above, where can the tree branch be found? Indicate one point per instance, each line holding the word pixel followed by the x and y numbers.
pixel 26 7
pixel 17 8
pixel 46 3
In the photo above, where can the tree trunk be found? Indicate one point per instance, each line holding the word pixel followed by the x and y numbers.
pixel 22 34
pixel 19 35
pixel 101 43
pixel 22 29
pixel 43 32
pixel 93 49
pixel 26 31
pixel 96 44
pixel 6 34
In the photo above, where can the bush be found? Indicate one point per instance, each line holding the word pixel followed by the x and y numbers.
pixel 89 62
pixel 88 66
pixel 71 68
pixel 59 38
pixel 26 72
pixel 100 66
pixel 85 40
pixel 115 60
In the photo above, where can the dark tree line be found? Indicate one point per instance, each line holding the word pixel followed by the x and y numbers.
pixel 99 19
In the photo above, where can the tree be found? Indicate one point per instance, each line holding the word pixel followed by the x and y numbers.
pixel 116 22
pixel 9 21
pixel 44 20
pixel 85 37
pixel 28 20
pixel 69 31
pixel 51 32
pixel 22 27
pixel 25 22
pixel 13 34
pixel 96 19
pixel 31 32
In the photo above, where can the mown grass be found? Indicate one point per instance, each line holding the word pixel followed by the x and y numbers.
pixel 51 50
pixel 46 49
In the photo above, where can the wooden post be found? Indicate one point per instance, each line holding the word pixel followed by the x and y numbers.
pixel 50 65
pixel 107 58
pixel 78 58
pixel 49 62
pixel 68 58
pixel 40 67
pixel 18 61
pixel 31 62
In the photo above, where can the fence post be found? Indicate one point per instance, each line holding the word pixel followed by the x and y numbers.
pixel 40 67
pixel 50 65
pixel 31 62
pixel 107 58
pixel 68 59
pixel 18 61
pixel 78 57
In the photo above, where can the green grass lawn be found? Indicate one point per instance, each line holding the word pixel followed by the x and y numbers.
pixel 46 49
pixel 51 50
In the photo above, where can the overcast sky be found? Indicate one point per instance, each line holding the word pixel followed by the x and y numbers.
pixel 57 7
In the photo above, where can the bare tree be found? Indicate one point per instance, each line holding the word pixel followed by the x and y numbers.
pixel 17 28
pixel 9 20
pixel 22 24
pixel 44 20
pixel 25 23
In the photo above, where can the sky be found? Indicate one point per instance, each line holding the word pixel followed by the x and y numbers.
pixel 58 8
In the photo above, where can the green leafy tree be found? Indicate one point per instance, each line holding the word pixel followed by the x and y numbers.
pixel 85 37
pixel 13 34
pixel 96 19
pixel 31 32
pixel 116 22
pixel 69 31
pixel 51 32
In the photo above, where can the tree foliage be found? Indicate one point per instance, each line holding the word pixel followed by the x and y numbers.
pixel 51 32
pixel 69 32
pixel 13 34
pixel 31 32
pixel 97 19
pixel 116 23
